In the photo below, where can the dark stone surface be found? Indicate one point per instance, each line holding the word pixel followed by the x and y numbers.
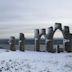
pixel 21 42
pixel 49 38
pixel 37 45
pixel 12 43
pixel 58 26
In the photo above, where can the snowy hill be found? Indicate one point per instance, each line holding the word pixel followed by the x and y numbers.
pixel 30 61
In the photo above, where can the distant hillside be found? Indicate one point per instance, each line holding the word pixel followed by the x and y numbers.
pixel 31 41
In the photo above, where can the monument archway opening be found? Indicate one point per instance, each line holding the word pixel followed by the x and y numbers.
pixel 58 37
pixel 42 43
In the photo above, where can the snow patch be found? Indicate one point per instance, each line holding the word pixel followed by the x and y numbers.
pixel 30 61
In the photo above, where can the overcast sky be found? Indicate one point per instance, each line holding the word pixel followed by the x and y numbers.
pixel 26 15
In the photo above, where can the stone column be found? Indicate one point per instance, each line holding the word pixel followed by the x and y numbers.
pixel 71 45
pixel 49 45
pixel 58 26
pixel 49 40
pixel 12 43
pixel 58 49
pixel 43 32
pixel 66 38
pixel 37 40
pixel 21 42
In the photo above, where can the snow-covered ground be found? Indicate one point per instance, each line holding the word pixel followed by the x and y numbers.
pixel 30 61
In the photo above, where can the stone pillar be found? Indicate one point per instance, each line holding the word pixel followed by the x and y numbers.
pixel 71 45
pixel 21 42
pixel 67 45
pixel 12 43
pixel 49 34
pixel 43 31
pixel 37 40
pixel 66 32
pixel 67 39
pixel 58 49
pixel 58 26
pixel 50 30
pixel 49 40
pixel 49 45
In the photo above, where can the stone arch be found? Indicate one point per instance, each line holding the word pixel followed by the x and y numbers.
pixel 51 34
pixel 49 38
pixel 58 26
pixel 38 36
pixel 58 47
pixel 66 34
pixel 58 33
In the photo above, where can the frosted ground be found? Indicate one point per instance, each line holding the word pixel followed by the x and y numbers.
pixel 30 61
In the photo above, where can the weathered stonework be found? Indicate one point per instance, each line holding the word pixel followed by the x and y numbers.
pixel 21 42
pixel 12 43
pixel 67 42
